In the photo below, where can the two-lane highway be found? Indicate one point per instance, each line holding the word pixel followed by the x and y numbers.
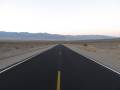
pixel 59 69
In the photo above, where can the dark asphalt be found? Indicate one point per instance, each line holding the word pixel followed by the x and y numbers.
pixel 77 73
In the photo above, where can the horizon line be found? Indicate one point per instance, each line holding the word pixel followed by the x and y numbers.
pixel 61 34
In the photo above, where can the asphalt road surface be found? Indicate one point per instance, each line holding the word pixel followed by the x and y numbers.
pixel 59 69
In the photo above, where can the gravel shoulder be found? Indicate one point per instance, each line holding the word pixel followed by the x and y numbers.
pixel 108 56
pixel 14 56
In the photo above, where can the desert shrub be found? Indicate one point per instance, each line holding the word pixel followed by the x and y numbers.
pixel 17 47
pixel 85 44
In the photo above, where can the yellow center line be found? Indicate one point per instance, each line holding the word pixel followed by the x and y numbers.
pixel 58 80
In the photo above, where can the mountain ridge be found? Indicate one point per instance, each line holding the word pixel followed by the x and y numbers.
pixel 46 36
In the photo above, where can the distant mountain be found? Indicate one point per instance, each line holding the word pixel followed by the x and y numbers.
pixel 46 36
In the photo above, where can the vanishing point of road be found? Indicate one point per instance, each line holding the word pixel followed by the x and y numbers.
pixel 59 68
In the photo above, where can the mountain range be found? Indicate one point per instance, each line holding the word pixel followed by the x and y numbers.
pixel 47 36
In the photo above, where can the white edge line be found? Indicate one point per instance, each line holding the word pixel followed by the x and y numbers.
pixel 15 64
pixel 101 64
pixel 96 61
pixel 20 62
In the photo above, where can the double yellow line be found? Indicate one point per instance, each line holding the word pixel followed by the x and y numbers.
pixel 58 80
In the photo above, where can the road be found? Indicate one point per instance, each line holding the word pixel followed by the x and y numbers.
pixel 59 69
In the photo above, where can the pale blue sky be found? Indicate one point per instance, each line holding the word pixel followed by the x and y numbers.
pixel 61 16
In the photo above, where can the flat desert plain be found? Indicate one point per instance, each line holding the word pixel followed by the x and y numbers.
pixel 106 52
pixel 15 51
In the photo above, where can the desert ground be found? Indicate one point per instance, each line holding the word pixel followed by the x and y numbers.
pixel 15 51
pixel 13 48
pixel 105 52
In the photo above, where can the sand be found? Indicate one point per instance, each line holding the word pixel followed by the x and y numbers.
pixel 12 52
pixel 105 53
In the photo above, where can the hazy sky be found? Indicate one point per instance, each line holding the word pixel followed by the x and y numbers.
pixel 61 16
